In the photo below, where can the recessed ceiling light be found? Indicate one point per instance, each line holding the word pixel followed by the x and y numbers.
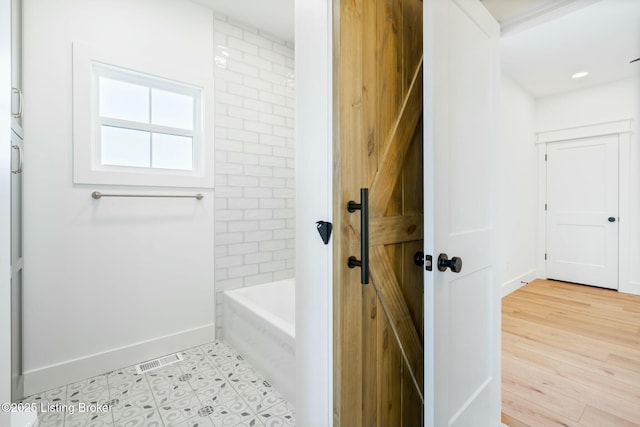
pixel 580 75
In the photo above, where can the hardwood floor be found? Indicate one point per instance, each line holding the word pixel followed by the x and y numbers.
pixel 570 356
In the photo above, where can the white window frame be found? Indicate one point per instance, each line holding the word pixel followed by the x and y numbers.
pixel 115 73
pixel 89 62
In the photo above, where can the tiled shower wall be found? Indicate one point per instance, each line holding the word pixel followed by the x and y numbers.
pixel 254 129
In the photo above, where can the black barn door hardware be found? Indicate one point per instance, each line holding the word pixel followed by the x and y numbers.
pixel 363 262
pixel 419 259
pixel 324 229
pixel 455 263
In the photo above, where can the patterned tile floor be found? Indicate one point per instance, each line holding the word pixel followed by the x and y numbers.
pixel 212 387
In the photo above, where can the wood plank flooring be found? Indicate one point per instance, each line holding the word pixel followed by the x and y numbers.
pixel 570 356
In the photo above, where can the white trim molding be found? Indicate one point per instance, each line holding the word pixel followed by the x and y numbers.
pixel 541 13
pixel 588 131
pixel 541 154
pixel 632 288
pixel 518 282
pixel 48 377
pixel 314 201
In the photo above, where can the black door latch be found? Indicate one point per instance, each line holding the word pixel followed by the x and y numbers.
pixel 420 260
pixel 324 229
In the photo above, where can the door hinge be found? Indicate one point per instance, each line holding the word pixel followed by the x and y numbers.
pixel 545 257
pixel 545 206
pixel 546 157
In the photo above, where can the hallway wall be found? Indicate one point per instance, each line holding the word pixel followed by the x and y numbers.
pixel 516 213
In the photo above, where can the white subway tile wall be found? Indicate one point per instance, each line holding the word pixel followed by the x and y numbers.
pixel 254 120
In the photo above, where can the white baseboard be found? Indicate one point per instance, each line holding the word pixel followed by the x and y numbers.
pixel 517 282
pixel 42 379
pixel 630 288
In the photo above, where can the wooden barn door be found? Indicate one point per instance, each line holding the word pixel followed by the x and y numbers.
pixel 378 327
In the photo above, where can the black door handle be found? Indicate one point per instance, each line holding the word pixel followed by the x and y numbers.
pixel 455 263
pixel 612 219
pixel 363 262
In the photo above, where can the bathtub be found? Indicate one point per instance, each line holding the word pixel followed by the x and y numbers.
pixel 259 322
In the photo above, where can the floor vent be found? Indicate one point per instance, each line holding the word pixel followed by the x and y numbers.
pixel 158 363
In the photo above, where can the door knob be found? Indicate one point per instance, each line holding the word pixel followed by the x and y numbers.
pixel 455 263
pixel 612 219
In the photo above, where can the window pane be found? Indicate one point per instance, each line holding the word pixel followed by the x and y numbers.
pixel 125 101
pixel 171 109
pixel 125 147
pixel 172 152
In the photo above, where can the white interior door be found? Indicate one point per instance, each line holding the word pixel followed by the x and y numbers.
pixel 462 310
pixel 582 211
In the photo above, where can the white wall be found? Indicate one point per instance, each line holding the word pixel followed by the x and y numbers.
pixel 5 203
pixel 610 102
pixel 598 104
pixel 516 199
pixel 111 282
pixel 255 224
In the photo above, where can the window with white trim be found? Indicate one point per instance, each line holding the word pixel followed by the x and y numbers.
pixel 143 121
pixel 140 120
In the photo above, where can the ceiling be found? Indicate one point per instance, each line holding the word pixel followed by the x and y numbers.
pixel 600 37
pixel 276 17
pixel 543 42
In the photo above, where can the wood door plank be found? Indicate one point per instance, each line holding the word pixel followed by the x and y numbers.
pixel 371 318
pixel 370 90
pixel 348 305
pixel 389 375
pixel 396 310
pixel 388 62
pixel 393 156
pixel 412 286
pixel 412 175
pixel 412 47
pixel 410 402
pixel 396 229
